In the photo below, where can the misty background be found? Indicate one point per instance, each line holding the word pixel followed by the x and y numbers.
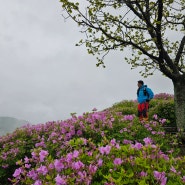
pixel 45 77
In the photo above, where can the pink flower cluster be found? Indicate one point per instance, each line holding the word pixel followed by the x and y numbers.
pixel 84 148
pixel 128 117
pixel 71 162
pixel 164 96
pixel 160 177
pixel 105 150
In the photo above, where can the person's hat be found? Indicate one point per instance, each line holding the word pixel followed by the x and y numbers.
pixel 141 82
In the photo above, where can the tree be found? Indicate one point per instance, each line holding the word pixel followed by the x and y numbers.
pixel 154 30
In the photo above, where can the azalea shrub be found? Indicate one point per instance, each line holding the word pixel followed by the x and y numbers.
pixel 126 107
pixel 110 163
pixel 100 147
pixel 162 104
pixel 164 109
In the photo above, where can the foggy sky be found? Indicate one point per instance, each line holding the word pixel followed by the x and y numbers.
pixel 45 77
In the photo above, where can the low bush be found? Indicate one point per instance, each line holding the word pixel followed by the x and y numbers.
pixel 163 106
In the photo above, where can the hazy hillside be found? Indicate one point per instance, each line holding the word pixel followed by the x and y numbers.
pixel 9 124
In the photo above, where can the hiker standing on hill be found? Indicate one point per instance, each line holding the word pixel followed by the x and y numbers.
pixel 144 95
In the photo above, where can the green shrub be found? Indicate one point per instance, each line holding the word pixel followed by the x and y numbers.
pixel 162 105
pixel 126 107
pixel 164 109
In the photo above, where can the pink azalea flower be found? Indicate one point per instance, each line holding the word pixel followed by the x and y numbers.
pixel 69 157
pixel 162 121
pixel 34 155
pixel 42 144
pixel 84 141
pixel 32 174
pixel 117 161
pixel 38 182
pixel 173 169
pixel 82 174
pixel 113 142
pixel 5 166
pixel 157 175
pixel 117 146
pixel 51 166
pixel 89 153
pixel 42 170
pixel 79 133
pixel 26 160
pixel 4 156
pixel 147 141
pixel 163 181
pixel 54 141
pixel 164 156
pixel 155 116
pixel 100 162
pixel 125 141
pixel 92 169
pixel 143 174
pixel 101 149
pixel 95 115
pixel 59 180
pixel 77 165
pixel 17 172
pixel 27 165
pixel 75 154
pixel 58 165
pixel 102 134
pixel 161 133
pixel 137 146
pixel 160 177
pixel 128 117
pixel 105 150
pixel 183 179
pixel 42 155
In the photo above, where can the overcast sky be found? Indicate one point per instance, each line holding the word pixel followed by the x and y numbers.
pixel 45 77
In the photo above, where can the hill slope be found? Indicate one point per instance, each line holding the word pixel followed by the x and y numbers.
pixel 9 124
pixel 98 148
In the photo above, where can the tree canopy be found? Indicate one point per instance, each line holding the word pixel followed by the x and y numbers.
pixel 153 30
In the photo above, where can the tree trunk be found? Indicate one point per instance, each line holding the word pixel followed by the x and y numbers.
pixel 179 100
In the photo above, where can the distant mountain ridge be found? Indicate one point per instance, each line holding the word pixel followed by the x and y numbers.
pixel 9 124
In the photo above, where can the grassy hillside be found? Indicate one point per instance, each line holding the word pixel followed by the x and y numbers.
pixel 162 105
pixel 101 147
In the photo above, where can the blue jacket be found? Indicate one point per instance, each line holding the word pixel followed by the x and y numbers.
pixel 143 97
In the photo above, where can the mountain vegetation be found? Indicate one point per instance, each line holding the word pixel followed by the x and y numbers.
pixel 108 147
